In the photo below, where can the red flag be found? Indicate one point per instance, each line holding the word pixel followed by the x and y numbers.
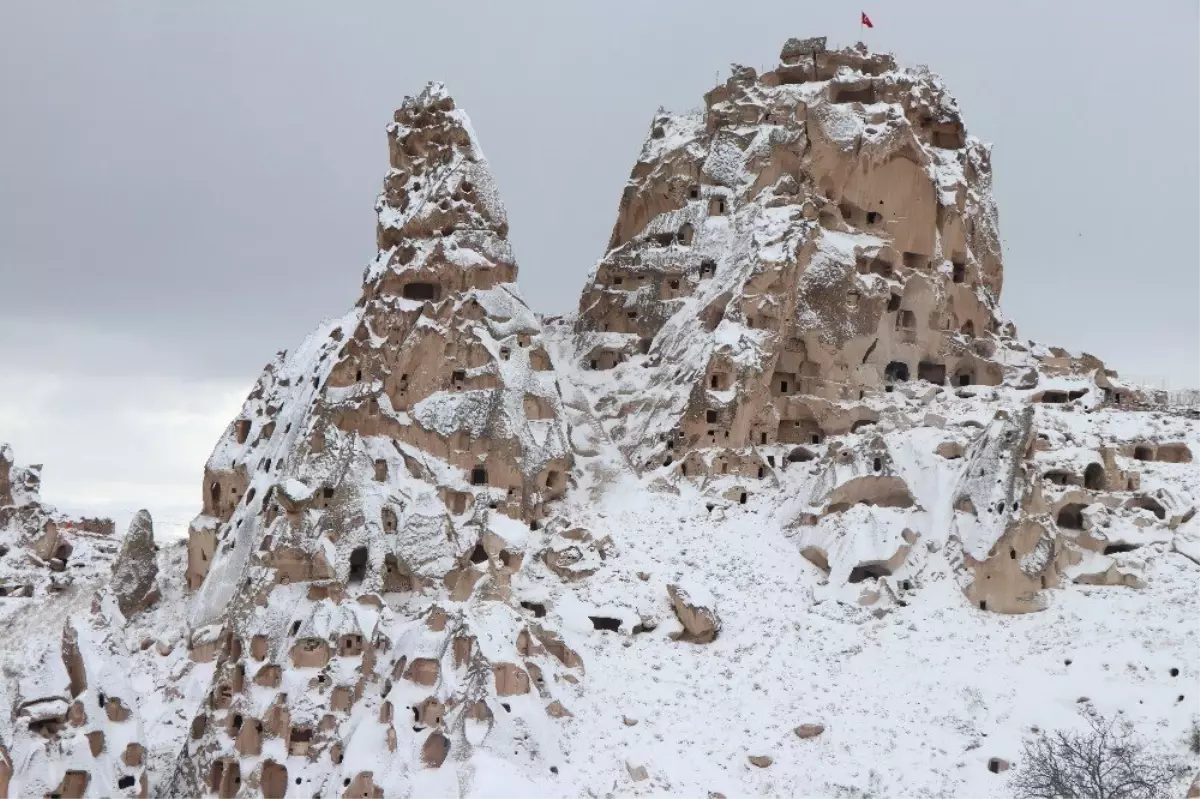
pixel 866 21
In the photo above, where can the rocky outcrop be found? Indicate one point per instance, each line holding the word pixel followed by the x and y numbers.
pixel 796 264
pixel 366 515
pixel 696 609
pixel 999 511
pixel 788 380
pixel 74 725
pixel 818 235
pixel 136 570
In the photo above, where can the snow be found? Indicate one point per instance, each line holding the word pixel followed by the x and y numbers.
pixel 296 490
pixel 914 701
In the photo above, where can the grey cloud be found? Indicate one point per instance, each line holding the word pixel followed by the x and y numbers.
pixel 111 445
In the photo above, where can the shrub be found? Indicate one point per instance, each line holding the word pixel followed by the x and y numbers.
pixel 1104 762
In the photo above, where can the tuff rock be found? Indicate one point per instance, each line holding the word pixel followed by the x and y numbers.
pixel 136 569
pixel 439 547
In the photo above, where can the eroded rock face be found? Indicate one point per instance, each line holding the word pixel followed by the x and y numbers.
pixel 810 239
pixel 105 709
pixel 136 569
pixel 997 505
pixel 1034 510
pixel 406 538
pixel 66 684
pixel 799 263
pixel 366 513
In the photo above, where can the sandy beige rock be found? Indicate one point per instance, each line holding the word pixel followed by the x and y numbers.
pixel 817 325
pixel 696 612
pixel 392 453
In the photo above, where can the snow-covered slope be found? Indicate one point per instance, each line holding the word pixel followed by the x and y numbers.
pixel 856 620
pixel 72 726
pixel 786 507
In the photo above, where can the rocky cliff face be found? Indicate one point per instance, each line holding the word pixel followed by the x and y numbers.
pixel 406 450
pixel 793 265
pixel 753 517
pixel 815 237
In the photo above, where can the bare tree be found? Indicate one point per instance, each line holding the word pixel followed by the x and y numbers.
pixel 1104 762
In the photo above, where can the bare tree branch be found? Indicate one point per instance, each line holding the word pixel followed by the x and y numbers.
pixel 1105 762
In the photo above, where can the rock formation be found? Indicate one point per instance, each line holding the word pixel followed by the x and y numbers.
pixel 136 569
pixel 367 515
pixel 788 466
pixel 795 263
pixel 74 729
pixel 809 239
pixel 697 612
pixel 37 542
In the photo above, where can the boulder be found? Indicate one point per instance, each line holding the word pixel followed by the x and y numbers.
pixel 805 731
pixel 697 612
pixel 135 572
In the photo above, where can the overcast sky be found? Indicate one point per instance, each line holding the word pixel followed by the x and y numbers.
pixel 187 188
